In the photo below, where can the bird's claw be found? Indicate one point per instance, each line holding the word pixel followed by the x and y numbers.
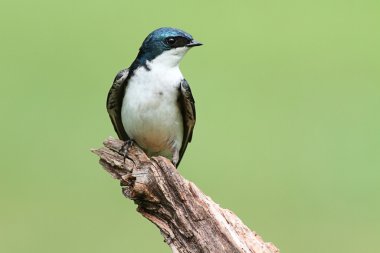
pixel 125 149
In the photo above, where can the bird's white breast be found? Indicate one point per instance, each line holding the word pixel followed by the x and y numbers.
pixel 150 112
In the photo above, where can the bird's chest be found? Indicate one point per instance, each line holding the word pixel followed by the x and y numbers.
pixel 150 112
pixel 153 89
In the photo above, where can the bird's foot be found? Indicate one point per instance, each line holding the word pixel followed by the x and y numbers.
pixel 125 148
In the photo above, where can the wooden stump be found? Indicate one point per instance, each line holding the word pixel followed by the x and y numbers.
pixel 188 219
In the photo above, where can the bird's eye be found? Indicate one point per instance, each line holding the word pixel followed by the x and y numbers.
pixel 171 41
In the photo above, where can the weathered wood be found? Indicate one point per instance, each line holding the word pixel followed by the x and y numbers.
pixel 188 219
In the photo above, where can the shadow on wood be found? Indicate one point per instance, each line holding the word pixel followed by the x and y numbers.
pixel 188 219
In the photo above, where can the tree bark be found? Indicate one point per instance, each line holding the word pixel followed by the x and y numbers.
pixel 188 219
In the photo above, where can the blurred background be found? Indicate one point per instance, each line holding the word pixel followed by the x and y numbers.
pixel 287 134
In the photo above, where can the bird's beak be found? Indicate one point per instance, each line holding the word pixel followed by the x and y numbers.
pixel 194 43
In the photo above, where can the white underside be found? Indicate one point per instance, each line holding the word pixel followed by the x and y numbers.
pixel 150 113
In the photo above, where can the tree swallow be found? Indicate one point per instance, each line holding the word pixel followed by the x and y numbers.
pixel 150 103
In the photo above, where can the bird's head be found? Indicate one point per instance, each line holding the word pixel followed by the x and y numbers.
pixel 167 45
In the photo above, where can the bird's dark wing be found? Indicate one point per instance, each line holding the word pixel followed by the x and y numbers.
pixel 115 101
pixel 187 105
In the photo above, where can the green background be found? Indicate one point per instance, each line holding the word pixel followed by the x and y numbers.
pixel 287 134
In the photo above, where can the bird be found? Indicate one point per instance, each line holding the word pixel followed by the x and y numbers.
pixel 151 103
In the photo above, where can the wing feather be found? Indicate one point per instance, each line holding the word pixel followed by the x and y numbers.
pixel 187 105
pixel 115 101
